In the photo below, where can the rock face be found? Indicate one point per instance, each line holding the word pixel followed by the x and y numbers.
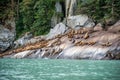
pixel 115 27
pixel 74 44
pixel 70 7
pixel 23 40
pixel 98 27
pixel 79 21
pixel 23 54
pixel 6 38
pixel 58 7
pixel 56 18
pixel 117 23
pixel 84 52
pixel 58 29
pixel 82 43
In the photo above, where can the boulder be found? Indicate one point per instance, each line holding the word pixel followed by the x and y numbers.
pixel 85 52
pixel 117 23
pixel 23 54
pixel 23 40
pixel 80 21
pixel 36 39
pixel 115 27
pixel 58 29
pixel 98 27
pixel 6 38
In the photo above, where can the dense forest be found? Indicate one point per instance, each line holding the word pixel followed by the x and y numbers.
pixel 35 15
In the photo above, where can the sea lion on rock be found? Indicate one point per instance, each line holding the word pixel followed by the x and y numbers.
pixel 106 44
pixel 86 36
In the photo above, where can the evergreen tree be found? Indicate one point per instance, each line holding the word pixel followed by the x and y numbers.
pixel 104 11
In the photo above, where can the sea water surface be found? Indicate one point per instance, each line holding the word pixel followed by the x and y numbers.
pixel 41 69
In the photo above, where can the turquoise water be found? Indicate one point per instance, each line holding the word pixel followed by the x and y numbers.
pixel 37 69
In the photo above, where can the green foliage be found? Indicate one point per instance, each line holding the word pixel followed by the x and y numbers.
pixel 35 16
pixel 5 9
pixel 27 13
pixel 43 12
pixel 100 10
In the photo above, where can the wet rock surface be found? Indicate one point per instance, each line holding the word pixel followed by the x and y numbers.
pixel 82 43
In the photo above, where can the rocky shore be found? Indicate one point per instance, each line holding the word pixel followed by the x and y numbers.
pixel 70 42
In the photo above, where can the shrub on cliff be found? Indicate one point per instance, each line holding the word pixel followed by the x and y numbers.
pixel 104 11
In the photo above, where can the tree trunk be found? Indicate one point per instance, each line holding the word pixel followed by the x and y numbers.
pixel 17 10
pixel 12 8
